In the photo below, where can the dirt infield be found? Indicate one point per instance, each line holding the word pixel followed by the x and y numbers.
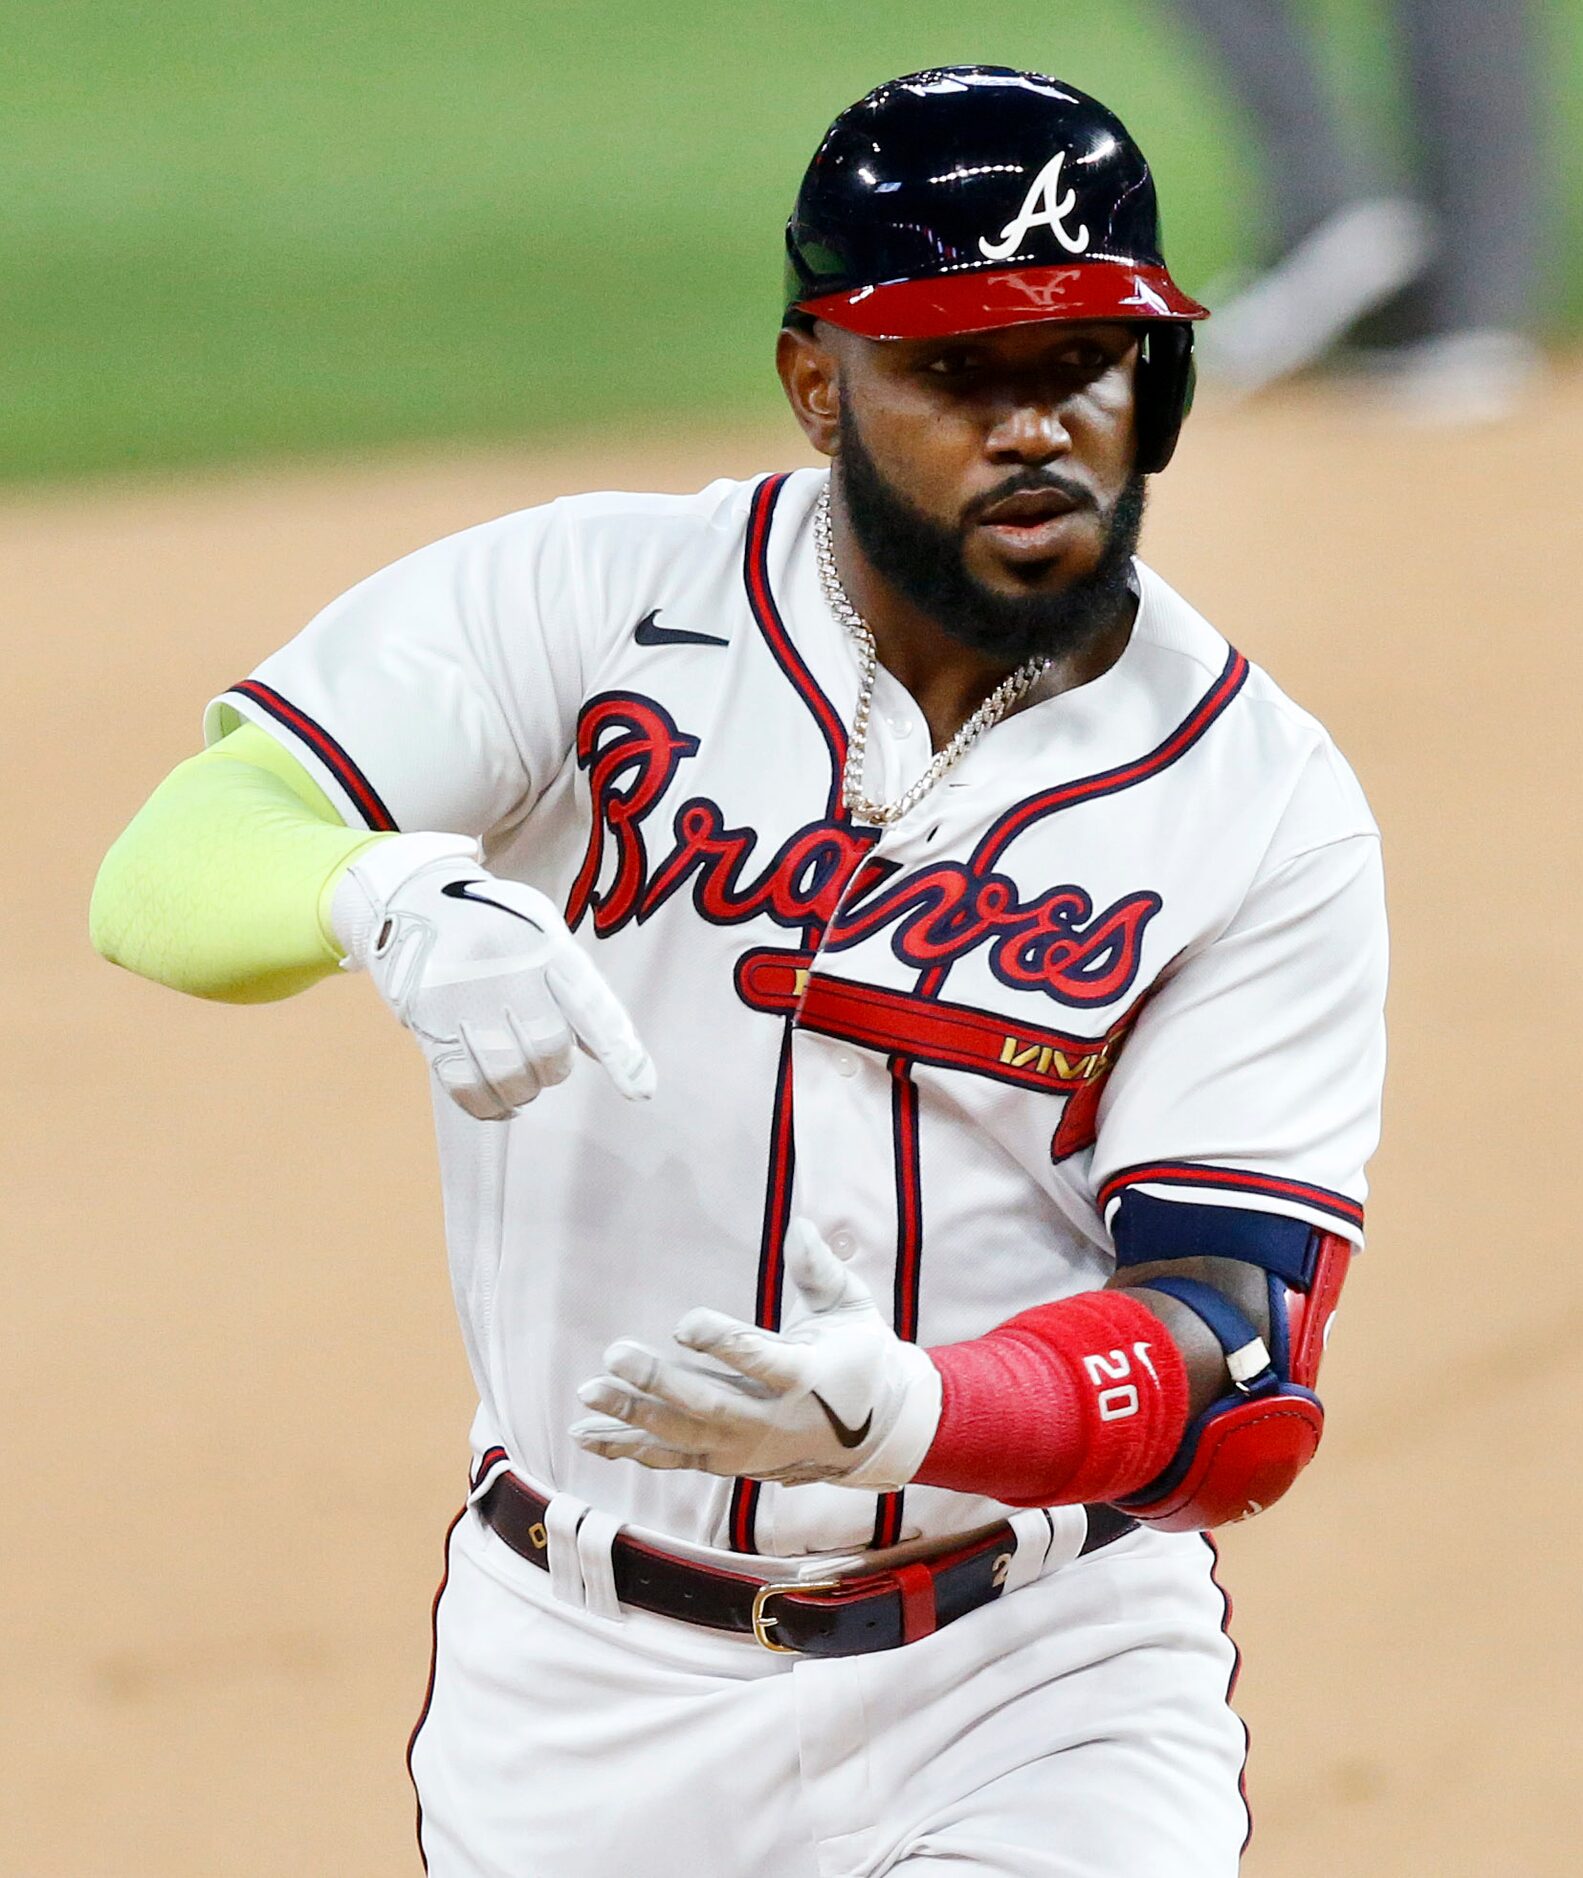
pixel 234 1399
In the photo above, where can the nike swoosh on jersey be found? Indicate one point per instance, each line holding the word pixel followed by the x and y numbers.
pixel 457 890
pixel 648 634
pixel 848 1437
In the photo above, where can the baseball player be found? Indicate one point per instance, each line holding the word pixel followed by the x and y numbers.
pixel 980 968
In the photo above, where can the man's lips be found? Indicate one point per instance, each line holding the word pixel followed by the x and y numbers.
pixel 1029 525
pixel 1028 507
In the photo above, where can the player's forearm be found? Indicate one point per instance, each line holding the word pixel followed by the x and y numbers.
pixel 1080 1400
pixel 1170 1404
pixel 1029 1417
pixel 219 886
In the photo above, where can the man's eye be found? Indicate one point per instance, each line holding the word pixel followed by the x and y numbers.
pixel 952 364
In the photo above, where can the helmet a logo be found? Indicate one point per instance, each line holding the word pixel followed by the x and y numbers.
pixel 1045 205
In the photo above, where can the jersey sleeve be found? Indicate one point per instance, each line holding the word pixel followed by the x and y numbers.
pixel 1253 1076
pixel 442 692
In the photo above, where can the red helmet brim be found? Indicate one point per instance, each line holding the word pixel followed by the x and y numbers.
pixel 983 301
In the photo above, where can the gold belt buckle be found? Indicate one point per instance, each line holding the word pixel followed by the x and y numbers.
pixel 764 1623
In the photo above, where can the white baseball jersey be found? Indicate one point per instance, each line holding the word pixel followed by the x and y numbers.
pixel 1135 938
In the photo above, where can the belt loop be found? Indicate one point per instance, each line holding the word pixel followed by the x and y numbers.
pixel 489 1467
pixel 596 1537
pixel 562 1517
pixel 1068 1530
pixel 917 1602
pixel 1034 1535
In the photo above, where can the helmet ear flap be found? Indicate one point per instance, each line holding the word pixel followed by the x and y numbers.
pixel 1165 390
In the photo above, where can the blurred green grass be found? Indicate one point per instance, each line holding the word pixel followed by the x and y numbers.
pixel 228 233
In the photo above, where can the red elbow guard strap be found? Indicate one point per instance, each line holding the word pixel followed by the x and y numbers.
pixel 1080 1400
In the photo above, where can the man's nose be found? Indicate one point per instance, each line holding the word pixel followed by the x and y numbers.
pixel 1029 431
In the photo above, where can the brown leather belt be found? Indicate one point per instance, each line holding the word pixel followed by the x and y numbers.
pixel 830 1617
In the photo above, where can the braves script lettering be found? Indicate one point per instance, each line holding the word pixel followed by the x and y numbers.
pixel 1055 942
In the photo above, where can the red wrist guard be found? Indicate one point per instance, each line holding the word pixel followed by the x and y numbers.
pixel 1081 1400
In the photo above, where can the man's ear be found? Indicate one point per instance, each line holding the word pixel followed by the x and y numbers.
pixel 810 374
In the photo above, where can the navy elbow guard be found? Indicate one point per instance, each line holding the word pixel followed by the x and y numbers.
pixel 1246 1449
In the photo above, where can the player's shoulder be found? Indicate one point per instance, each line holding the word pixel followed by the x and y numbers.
pixel 595 554
pixel 1283 747
pixel 723 502
pixel 604 519
pixel 620 546
pixel 578 520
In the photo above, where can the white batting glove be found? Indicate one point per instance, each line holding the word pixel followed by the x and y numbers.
pixel 836 1396
pixel 483 972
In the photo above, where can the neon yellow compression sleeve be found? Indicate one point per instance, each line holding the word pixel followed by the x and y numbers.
pixel 220 884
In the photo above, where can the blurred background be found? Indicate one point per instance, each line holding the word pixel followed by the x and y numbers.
pixel 286 291
pixel 286 228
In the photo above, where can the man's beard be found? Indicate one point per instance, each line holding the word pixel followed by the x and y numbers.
pixel 924 562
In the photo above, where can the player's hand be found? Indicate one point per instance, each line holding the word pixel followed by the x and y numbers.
pixel 837 1395
pixel 483 972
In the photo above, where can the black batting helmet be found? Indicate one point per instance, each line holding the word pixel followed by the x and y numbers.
pixel 973 197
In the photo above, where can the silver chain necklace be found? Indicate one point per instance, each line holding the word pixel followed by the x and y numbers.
pixel 1008 693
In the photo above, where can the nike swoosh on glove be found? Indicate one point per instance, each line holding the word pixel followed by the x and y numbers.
pixel 835 1396
pixel 483 972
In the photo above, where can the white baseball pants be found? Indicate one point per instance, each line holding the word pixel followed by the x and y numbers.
pixel 1077 1728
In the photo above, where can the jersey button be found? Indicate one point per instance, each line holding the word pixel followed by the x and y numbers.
pixel 842 1244
pixel 899 726
pixel 845 1063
